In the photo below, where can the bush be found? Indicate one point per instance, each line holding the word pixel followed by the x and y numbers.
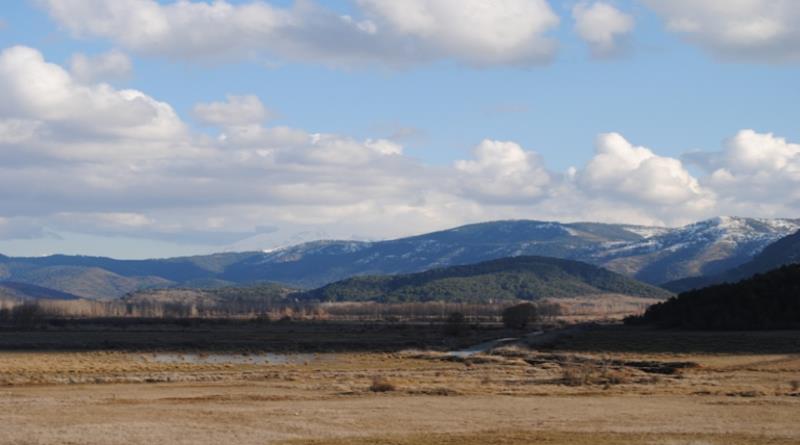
pixel 381 384
pixel 518 316
pixel 455 324
pixel 578 375
pixel 27 314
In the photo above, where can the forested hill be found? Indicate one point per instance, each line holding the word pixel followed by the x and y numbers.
pixel 765 301
pixel 523 278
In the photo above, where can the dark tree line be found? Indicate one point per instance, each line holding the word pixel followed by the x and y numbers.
pixel 765 301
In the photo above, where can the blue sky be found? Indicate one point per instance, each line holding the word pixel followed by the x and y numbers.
pixel 669 91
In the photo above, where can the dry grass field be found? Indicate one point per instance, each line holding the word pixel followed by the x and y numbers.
pixel 595 386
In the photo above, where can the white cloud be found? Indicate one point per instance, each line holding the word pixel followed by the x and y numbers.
pixel 749 152
pixel 111 65
pixel 636 173
pixel 236 111
pixel 145 174
pixel 479 32
pixel 503 172
pixel 602 26
pixel 755 172
pixel 739 30
pixel 44 94
pixel 471 31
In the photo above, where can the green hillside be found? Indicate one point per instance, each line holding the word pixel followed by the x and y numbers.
pixel 518 278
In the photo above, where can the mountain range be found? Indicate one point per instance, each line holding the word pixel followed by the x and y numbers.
pixel 655 255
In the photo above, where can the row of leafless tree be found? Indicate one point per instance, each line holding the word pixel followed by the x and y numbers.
pixel 35 311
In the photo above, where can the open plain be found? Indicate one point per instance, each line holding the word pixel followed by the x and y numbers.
pixel 599 385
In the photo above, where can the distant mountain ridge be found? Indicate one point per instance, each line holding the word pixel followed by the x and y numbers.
pixel 703 248
pixel 783 252
pixel 651 254
pixel 506 279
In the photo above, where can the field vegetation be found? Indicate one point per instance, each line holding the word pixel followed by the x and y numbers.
pixel 588 385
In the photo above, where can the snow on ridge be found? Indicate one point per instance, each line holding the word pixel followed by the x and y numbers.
pixel 723 229
pixel 754 233
pixel 647 231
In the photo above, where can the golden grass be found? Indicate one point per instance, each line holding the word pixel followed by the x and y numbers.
pixel 515 396
pixel 499 437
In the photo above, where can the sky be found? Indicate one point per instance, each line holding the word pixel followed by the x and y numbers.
pixel 142 128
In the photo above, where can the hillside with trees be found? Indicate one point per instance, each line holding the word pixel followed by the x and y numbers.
pixel 518 278
pixel 258 295
pixel 765 301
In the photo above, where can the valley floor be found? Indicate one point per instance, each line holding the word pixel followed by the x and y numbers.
pixel 622 395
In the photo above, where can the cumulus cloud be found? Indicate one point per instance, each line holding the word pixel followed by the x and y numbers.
pixel 602 26
pixel 475 32
pixel 38 94
pixel 636 173
pixel 741 30
pixel 111 65
pixel 135 177
pixel 146 174
pixel 754 171
pixel 503 171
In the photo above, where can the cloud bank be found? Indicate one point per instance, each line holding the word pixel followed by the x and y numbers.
pixel 399 34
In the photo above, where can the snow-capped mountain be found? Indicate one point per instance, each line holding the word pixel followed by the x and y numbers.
pixel 652 254
pixel 703 248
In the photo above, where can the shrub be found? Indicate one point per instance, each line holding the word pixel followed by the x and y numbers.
pixel 578 375
pixel 381 384
pixel 27 314
pixel 518 316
